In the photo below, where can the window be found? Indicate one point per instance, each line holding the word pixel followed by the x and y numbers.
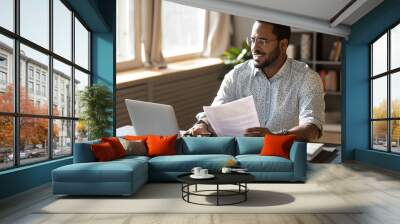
pixel 34 21
pixel 38 89
pixel 30 87
pixel 81 45
pixel 62 30
pixel 385 95
pixel 63 73
pixel 182 34
pixel 125 31
pixel 3 61
pixel 37 74
pixel 6 75
pixel 7 14
pixel 183 29
pixel 45 132
pixel 3 78
pixel 44 91
pixel 30 72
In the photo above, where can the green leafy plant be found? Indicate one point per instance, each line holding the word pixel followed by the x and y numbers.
pixel 96 102
pixel 235 55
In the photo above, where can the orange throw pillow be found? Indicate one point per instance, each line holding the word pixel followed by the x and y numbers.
pixel 103 152
pixel 116 145
pixel 135 138
pixel 277 145
pixel 161 145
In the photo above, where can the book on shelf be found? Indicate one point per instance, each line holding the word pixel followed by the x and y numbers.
pixel 329 80
pixel 336 50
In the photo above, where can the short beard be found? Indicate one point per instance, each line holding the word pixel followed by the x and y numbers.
pixel 274 57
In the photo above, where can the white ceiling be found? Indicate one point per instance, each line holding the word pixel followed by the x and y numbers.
pixel 316 15
pixel 320 9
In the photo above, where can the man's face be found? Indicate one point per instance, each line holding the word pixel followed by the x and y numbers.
pixel 265 49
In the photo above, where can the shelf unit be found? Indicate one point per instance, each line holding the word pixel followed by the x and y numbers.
pixel 319 48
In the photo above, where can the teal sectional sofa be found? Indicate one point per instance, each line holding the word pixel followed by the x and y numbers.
pixel 125 176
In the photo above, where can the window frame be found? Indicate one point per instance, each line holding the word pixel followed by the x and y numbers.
pixel 137 61
pixel 16 115
pixel 388 74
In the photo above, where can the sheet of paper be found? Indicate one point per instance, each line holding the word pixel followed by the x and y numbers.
pixel 233 118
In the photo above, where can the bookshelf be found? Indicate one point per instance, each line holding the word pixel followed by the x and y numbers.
pixel 322 53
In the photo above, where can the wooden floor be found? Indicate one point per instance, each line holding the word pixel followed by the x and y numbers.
pixel 378 188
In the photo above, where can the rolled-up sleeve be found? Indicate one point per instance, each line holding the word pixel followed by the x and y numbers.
pixel 226 93
pixel 311 101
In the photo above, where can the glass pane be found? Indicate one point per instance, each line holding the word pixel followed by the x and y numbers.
pixel 34 92
pixel 6 74
pixel 379 55
pixel 62 29
pixel 7 14
pixel 81 131
pixel 62 89
pixel 81 45
pixel 395 47
pixel 81 81
pixel 379 98
pixel 62 138
pixel 379 135
pixel 35 21
pixel 183 29
pixel 6 142
pixel 395 136
pixel 125 30
pixel 33 139
pixel 395 94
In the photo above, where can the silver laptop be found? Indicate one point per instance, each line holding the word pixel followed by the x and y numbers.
pixel 152 118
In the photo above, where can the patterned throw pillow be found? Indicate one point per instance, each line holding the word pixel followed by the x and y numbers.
pixel 134 147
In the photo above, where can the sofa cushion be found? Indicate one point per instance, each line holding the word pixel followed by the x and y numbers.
pixel 116 145
pixel 277 145
pixel 206 145
pixel 185 163
pixel 257 163
pixel 249 145
pixel 112 171
pixel 103 152
pixel 161 145
pixel 134 147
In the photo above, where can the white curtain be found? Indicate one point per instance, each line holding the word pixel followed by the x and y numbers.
pixel 218 33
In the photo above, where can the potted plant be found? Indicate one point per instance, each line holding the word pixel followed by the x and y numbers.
pixel 96 102
pixel 235 55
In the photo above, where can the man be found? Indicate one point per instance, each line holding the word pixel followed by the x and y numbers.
pixel 288 95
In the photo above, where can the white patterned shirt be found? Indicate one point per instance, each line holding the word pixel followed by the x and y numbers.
pixel 292 97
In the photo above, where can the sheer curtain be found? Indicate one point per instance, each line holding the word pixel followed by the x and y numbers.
pixel 152 34
pixel 218 33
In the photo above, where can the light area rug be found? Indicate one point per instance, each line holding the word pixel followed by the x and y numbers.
pixel 167 198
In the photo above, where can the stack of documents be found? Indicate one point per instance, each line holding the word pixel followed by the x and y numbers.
pixel 233 118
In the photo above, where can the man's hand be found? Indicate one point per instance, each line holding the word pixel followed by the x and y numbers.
pixel 257 132
pixel 198 129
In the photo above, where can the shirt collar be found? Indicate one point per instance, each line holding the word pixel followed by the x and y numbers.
pixel 285 69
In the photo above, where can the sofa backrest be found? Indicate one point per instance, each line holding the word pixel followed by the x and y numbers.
pixel 249 145
pixel 83 152
pixel 206 145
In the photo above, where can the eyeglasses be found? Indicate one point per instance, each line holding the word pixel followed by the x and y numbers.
pixel 263 42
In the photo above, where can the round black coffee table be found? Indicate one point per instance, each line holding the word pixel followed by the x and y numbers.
pixel 238 179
